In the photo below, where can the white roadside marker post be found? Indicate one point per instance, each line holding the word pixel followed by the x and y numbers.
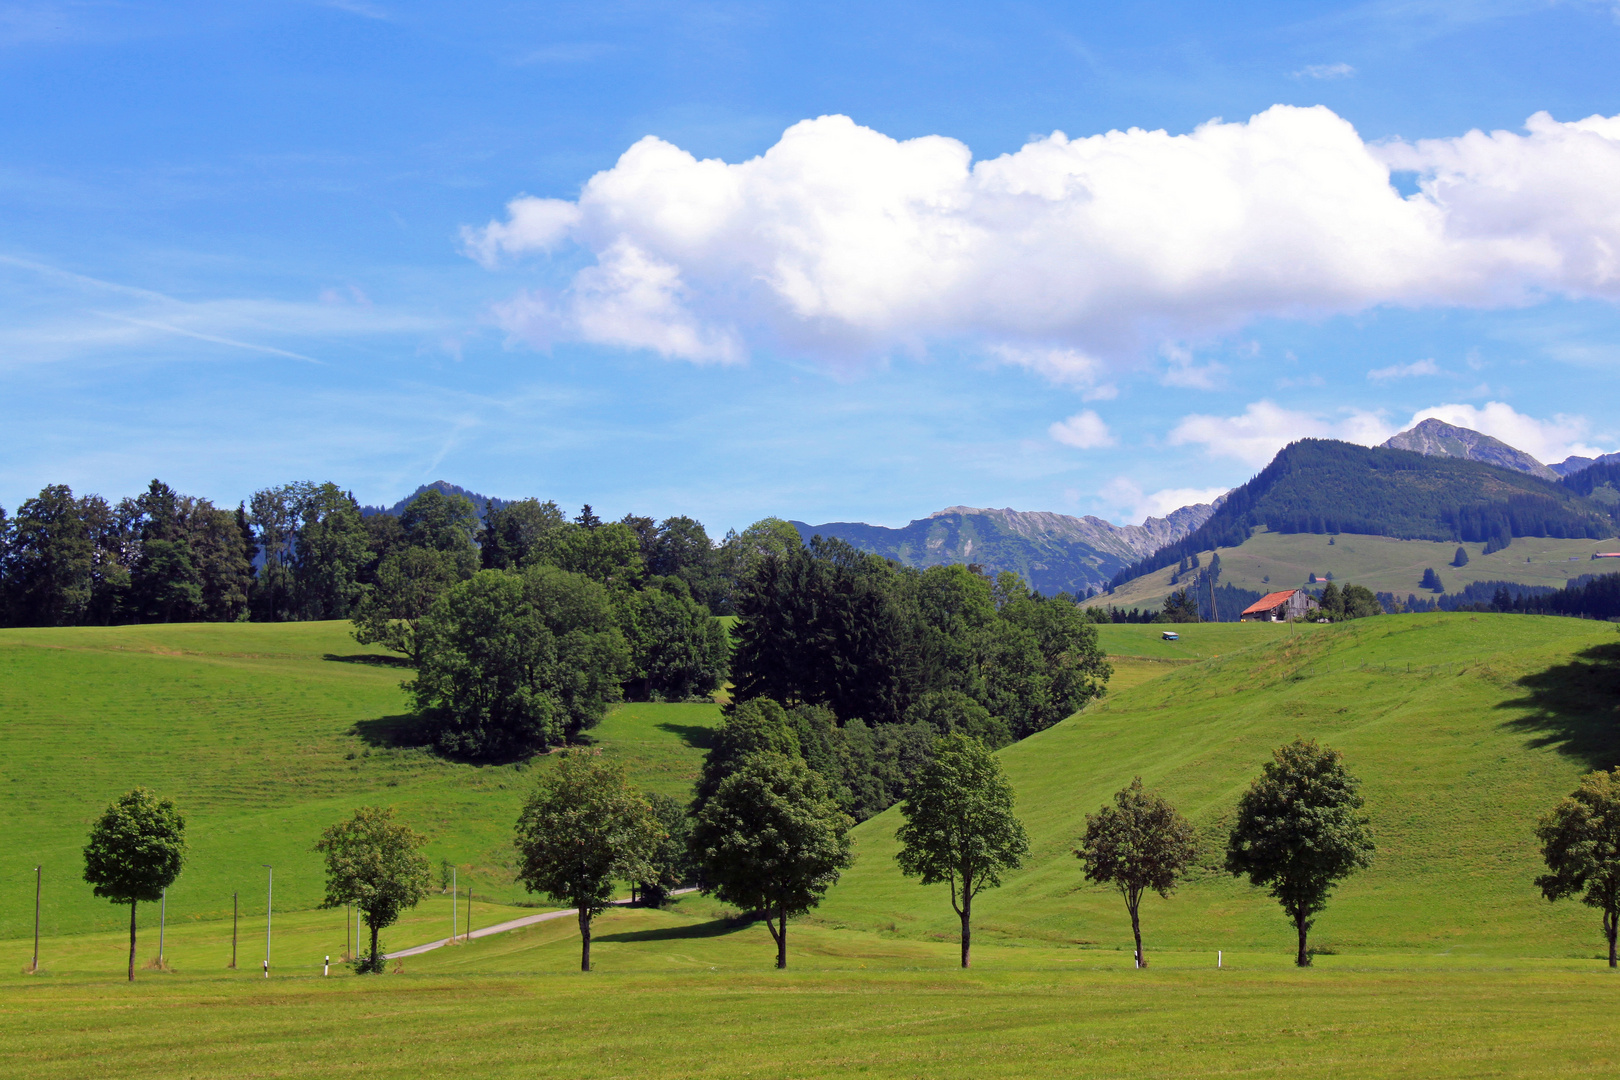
pixel 1217 958
pixel 326 967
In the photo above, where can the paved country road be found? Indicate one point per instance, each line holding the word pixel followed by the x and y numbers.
pixel 501 928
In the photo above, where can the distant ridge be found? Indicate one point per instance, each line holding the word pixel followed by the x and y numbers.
pixel 1436 438
pixel 1053 552
pixel 1572 465
pixel 483 503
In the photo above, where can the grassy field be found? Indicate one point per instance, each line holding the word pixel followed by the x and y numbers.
pixel 1464 728
pixel 1440 961
pixel 1381 563
pixel 264 734
pixel 676 995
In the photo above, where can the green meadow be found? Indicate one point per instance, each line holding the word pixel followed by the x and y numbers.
pixel 1268 561
pixel 1441 960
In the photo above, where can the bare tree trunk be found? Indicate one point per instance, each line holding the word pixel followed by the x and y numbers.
pixel 967 929
pixel 1136 928
pixel 132 940
pixel 1304 926
pixel 781 939
pixel 376 961
pixel 1611 927
pixel 584 939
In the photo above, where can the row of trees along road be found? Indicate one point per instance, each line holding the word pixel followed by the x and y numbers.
pixel 307 550
pixel 768 836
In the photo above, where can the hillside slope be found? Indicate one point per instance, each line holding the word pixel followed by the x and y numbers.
pixel 1324 486
pixel 263 734
pixel 1268 561
pixel 1464 729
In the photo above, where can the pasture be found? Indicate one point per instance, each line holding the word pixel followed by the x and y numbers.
pixel 1441 960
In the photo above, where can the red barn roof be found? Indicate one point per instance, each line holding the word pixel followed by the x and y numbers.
pixel 1269 601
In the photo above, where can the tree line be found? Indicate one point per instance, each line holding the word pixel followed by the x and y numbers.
pixel 305 551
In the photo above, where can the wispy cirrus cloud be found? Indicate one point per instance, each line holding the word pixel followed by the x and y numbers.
pixel 1404 371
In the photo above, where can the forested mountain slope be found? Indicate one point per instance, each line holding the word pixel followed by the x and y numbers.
pixel 1053 552
pixel 1324 486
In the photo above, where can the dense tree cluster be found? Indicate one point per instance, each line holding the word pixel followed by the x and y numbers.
pixel 826 625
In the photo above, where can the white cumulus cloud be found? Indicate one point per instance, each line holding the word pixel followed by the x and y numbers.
pixel 1264 428
pixel 1083 430
pixel 840 241
pixel 1139 505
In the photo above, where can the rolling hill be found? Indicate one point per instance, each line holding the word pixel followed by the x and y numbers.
pixel 1464 729
pixel 264 734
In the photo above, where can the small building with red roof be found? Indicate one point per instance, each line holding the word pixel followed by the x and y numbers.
pixel 1280 607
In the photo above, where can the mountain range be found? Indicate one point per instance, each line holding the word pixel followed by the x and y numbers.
pixel 1434 481
pixel 1053 552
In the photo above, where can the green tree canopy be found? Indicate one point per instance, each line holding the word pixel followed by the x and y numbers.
pixel 771 839
pixel 513 532
pixel 1580 843
pixel 136 850
pixel 513 663
pixel 677 649
pixel 583 829
pixel 375 863
pixel 670 864
pixel 1181 607
pixel 1299 831
pixel 1139 843
pixel 1331 604
pixel 760 726
pixel 1360 602
pixel 609 555
pixel 959 826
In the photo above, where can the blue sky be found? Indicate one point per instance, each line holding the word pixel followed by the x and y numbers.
pixel 361 241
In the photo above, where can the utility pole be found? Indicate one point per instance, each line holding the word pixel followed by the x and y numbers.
pixel 269 905
pixel 469 911
pixel 163 918
pixel 455 895
pixel 348 951
pixel 234 912
pixel 35 968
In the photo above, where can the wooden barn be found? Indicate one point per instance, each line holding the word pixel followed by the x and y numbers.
pixel 1280 607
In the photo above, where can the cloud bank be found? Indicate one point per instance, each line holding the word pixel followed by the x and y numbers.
pixel 1071 255
pixel 1255 436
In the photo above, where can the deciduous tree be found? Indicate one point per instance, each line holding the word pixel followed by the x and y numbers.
pixel 136 850
pixel 1299 831
pixel 375 863
pixel 1580 842
pixel 771 839
pixel 512 663
pixel 1140 843
pixel 960 828
pixel 583 829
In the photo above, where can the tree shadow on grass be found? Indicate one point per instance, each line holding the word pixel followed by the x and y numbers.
pixel 1575 707
pixel 694 735
pixel 371 659
pixel 394 731
pixel 710 929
